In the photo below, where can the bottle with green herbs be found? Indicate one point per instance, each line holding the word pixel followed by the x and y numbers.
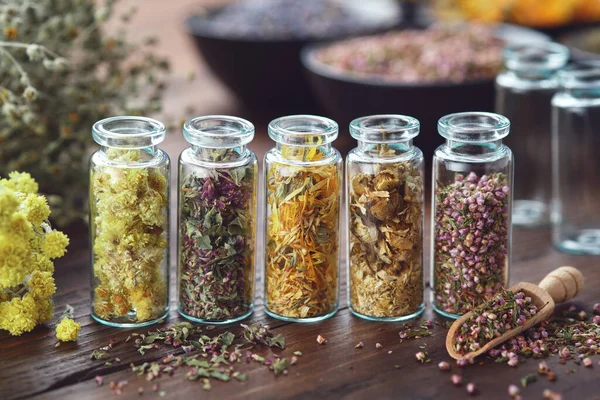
pixel 385 219
pixel 303 190
pixel 217 220
pixel 471 212
pixel 129 222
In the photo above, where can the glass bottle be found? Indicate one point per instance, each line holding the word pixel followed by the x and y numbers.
pixel 471 212
pixel 576 165
pixel 129 222
pixel 385 208
pixel 523 94
pixel 303 185
pixel 217 220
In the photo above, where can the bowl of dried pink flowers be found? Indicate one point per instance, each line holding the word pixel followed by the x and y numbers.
pixel 424 73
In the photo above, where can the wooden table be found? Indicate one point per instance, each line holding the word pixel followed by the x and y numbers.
pixel 31 366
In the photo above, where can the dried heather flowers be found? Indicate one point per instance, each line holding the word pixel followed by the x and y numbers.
pixel 302 241
pixel 60 73
pixel 27 247
pixel 129 215
pixel 216 264
pixel 471 241
pixel 386 240
pixel 505 311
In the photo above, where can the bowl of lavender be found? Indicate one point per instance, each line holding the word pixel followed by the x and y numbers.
pixel 253 47
pixel 424 73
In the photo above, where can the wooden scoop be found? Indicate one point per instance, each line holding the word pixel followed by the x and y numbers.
pixel 560 285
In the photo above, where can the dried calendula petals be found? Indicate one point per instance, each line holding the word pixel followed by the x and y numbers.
pixel 321 340
pixel 302 236
pixel 386 239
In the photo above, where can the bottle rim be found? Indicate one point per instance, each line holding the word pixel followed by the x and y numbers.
pixel 129 132
pixel 384 128
pixel 303 130
pixel 218 131
pixel 580 76
pixel 474 127
pixel 535 57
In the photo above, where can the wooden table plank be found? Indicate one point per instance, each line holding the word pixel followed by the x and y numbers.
pixel 30 365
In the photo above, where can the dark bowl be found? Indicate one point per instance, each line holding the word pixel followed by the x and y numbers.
pixel 583 45
pixel 345 96
pixel 265 74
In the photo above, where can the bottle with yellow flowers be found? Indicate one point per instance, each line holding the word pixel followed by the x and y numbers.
pixel 129 222
pixel 303 191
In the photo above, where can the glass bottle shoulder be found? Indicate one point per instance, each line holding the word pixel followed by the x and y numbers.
pixel 510 81
pixel 357 156
pixel 445 153
pixel 274 155
pixel 146 159
pixel 188 157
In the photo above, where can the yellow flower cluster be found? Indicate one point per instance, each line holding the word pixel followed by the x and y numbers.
pixel 27 247
pixel 130 226
pixel 67 330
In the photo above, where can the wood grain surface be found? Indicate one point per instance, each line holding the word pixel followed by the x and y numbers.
pixel 32 367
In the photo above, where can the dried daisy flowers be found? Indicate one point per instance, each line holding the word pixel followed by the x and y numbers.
pixel 62 70
pixel 217 218
pixel 471 236
pixel 129 222
pixel 27 247
pixel 385 218
pixel 303 188
pixel 505 311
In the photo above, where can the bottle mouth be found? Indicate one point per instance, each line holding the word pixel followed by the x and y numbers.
pixel 129 132
pixel 385 128
pixel 303 130
pixel 474 127
pixel 580 76
pixel 536 57
pixel 218 131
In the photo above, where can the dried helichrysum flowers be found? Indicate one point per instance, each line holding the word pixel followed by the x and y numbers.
pixel 61 71
pixel 505 311
pixel 27 246
pixel 67 330
pixel 471 227
pixel 217 243
pixel 302 238
pixel 386 240
pixel 129 219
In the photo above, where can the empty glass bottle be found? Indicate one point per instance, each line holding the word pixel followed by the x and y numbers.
pixel 471 212
pixel 523 95
pixel 576 165
pixel 385 219
pixel 217 220
pixel 129 222
pixel 303 191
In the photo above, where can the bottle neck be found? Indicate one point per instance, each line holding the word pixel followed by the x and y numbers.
pixel 473 149
pixel 304 153
pixel 125 155
pixel 385 150
pixel 533 75
pixel 219 155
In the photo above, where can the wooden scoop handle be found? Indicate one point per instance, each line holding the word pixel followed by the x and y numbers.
pixel 563 283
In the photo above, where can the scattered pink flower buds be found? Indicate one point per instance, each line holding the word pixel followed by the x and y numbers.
pixel 456 379
pixel 471 389
pixel 444 366
pixel 513 390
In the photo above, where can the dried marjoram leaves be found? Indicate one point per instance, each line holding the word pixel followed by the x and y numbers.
pixel 471 237
pixel 129 208
pixel 505 311
pixel 302 235
pixel 216 276
pixel 386 240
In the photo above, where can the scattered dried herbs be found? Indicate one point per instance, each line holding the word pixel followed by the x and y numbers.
pixel 303 203
pixel 261 334
pixel 505 311
pixel 217 242
pixel 471 226
pixel 386 241
pixel 130 227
